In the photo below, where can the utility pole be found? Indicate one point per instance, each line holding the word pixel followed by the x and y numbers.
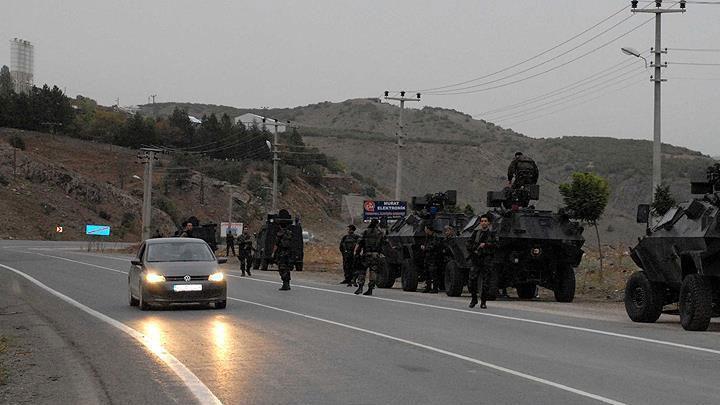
pixel 657 79
pixel 147 156
pixel 153 97
pixel 400 138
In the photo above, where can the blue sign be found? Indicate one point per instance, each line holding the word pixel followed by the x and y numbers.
pixel 97 230
pixel 389 210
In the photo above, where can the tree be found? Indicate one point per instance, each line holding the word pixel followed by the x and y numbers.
pixel 7 87
pixel 663 200
pixel 585 199
pixel 468 210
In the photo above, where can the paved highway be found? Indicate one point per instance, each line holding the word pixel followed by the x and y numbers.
pixel 320 344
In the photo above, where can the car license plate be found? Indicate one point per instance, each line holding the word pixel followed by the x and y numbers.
pixel 187 287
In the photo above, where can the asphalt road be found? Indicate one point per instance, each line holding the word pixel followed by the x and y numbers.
pixel 320 344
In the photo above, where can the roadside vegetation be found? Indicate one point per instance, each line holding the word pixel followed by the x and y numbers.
pixel 3 369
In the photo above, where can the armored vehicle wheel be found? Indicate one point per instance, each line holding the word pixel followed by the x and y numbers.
pixel 383 277
pixel 643 300
pixel 454 279
pixel 526 291
pixel 408 276
pixel 263 264
pixel 695 303
pixel 299 266
pixel 256 264
pixel 564 284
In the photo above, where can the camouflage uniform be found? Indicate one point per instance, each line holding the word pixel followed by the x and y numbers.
pixel 245 250
pixel 481 258
pixel 283 254
pixel 372 258
pixel 347 249
pixel 434 262
pixel 524 171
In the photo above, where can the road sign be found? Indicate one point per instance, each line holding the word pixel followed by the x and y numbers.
pixel 59 229
pixel 390 210
pixel 235 227
pixel 97 230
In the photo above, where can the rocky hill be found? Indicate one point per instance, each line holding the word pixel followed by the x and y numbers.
pixel 62 181
pixel 447 149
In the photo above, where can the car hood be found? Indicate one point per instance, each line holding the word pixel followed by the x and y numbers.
pixel 183 268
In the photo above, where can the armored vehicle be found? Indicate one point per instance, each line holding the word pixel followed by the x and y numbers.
pixel 680 259
pixel 534 248
pixel 404 257
pixel 206 232
pixel 266 236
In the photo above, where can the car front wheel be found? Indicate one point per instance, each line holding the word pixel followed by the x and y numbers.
pixel 133 301
pixel 144 306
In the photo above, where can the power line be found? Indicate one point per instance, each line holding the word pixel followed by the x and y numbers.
pixel 694 49
pixel 589 79
pixel 693 63
pixel 529 59
pixel 552 68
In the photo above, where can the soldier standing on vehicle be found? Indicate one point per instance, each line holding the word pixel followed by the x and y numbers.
pixel 369 252
pixel 481 246
pixel 433 248
pixel 245 252
pixel 229 243
pixel 347 249
pixel 282 252
pixel 522 171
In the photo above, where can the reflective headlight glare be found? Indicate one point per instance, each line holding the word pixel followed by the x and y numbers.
pixel 154 278
pixel 219 276
pixel 536 252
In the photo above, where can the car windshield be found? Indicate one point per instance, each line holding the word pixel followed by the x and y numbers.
pixel 179 252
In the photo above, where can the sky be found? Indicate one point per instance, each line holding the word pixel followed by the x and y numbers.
pixel 288 53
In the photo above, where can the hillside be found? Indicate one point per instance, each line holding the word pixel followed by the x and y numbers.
pixel 447 149
pixel 63 181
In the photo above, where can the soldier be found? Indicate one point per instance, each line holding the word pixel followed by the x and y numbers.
pixel 433 248
pixel 245 252
pixel 523 171
pixel 481 246
pixel 282 253
pixel 188 231
pixel 369 251
pixel 347 249
pixel 229 243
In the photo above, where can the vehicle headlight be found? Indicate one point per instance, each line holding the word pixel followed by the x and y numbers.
pixel 536 252
pixel 219 276
pixel 154 278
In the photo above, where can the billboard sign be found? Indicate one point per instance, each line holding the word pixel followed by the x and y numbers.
pixel 97 230
pixel 235 227
pixel 389 210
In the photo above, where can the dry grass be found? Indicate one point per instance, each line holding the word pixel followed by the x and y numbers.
pixel 322 257
pixel 3 370
pixel 610 282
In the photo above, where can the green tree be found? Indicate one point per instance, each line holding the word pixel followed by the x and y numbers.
pixel 7 86
pixel 663 200
pixel 585 199
pixel 468 210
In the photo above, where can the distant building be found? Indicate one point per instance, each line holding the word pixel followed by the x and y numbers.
pixel 194 120
pixel 22 64
pixel 248 119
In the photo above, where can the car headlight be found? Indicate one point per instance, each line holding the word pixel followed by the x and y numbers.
pixel 219 276
pixel 154 278
pixel 536 252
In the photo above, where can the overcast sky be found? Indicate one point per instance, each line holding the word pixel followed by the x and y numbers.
pixel 290 53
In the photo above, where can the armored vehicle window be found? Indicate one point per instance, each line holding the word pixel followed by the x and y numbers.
pixel 668 217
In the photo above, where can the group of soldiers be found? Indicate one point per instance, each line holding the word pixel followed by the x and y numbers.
pixel 245 250
pixel 364 253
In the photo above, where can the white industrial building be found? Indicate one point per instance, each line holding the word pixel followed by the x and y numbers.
pixel 22 64
pixel 250 119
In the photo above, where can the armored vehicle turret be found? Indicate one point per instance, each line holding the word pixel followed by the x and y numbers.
pixel 680 259
pixel 266 236
pixel 534 248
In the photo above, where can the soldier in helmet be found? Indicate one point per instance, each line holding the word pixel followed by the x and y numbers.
pixel 481 247
pixel 282 254
pixel 347 249
pixel 245 252
pixel 434 252
pixel 369 251
pixel 522 171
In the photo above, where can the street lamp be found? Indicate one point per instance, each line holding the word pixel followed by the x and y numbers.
pixel 635 53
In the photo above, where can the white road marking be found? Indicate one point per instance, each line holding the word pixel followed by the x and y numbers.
pixel 444 352
pixel 465 311
pixel 75 261
pixel 510 318
pixel 201 392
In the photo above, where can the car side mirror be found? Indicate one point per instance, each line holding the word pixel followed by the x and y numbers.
pixel 222 260
pixel 135 262
pixel 643 213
